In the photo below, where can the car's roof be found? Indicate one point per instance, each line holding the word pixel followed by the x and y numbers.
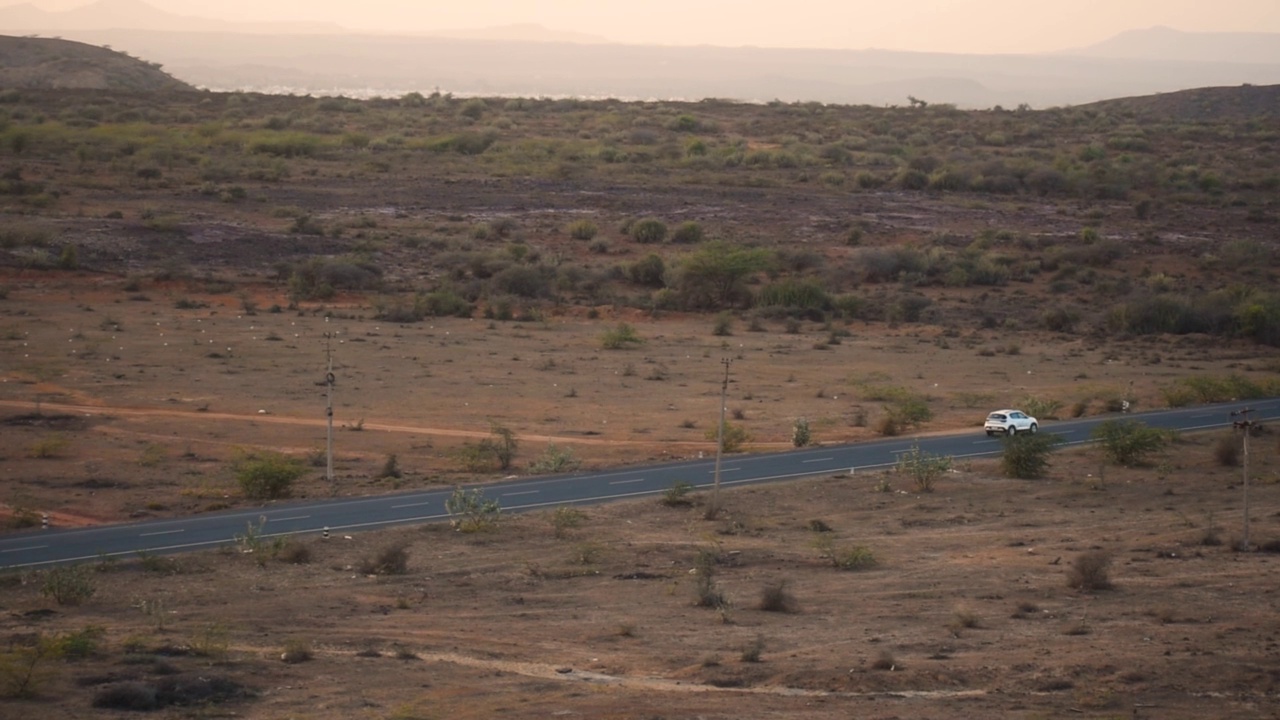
pixel 1006 411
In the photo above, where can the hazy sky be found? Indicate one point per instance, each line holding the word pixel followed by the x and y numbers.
pixel 990 26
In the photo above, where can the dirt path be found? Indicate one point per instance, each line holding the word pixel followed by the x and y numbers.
pixel 203 416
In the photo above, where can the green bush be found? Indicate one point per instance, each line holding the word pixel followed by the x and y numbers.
pixel 723 326
pixel 801 434
pixel 909 410
pixel 855 557
pixel 648 270
pixel 649 231
pixel 526 281
pixel 620 337
pixel 283 144
pixel 565 519
pixel 687 233
pixel 678 494
pixel 792 293
pixel 1042 408
pixel 735 436
pixel 49 447
pixel 82 643
pixel 1026 456
pixel 1215 389
pixel 555 459
pixel 924 468
pixel 267 475
pixel 1128 442
pixel 583 230
pixel 68 584
pixel 471 511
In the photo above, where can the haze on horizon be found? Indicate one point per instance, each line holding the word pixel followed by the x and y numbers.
pixel 955 26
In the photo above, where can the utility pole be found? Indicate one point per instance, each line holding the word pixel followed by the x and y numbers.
pixel 329 381
pixel 724 390
pixel 1247 426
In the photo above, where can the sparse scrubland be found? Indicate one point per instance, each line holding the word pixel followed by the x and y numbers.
pixel 518 286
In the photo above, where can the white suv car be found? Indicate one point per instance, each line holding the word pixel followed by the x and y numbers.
pixel 1010 422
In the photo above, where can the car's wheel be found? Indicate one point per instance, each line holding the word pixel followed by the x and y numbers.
pixel 990 433
pixel 1034 428
pixel 1011 430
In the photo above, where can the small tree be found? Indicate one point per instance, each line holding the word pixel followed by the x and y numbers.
pixel 678 494
pixel 267 475
pixel 68 584
pixel 1027 456
pixel 24 668
pixel 504 445
pixel 714 275
pixel 924 468
pixel 801 435
pixel 472 511
pixel 1128 442
pixel 704 572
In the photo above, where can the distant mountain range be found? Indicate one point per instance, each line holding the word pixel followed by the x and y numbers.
pixel 1162 43
pixel 528 60
pixel 134 15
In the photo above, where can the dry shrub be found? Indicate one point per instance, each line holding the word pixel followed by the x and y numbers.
pixel 295 553
pixel 888 426
pixel 1090 571
pixel 774 597
pixel 884 661
pixel 127 696
pixel 751 653
pixel 1227 451
pixel 391 560
pixel 296 650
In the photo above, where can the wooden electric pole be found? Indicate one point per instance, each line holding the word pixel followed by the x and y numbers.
pixel 329 381
pixel 724 391
pixel 1247 426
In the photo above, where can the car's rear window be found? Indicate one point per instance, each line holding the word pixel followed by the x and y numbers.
pixel 996 416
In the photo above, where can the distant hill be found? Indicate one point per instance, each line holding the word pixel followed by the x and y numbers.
pixel 1162 43
pixel 50 63
pixel 522 32
pixel 1214 103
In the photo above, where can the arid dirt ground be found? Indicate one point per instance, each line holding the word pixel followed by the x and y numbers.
pixel 967 612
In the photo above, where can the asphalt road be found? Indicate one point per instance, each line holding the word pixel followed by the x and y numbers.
pixel 347 515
